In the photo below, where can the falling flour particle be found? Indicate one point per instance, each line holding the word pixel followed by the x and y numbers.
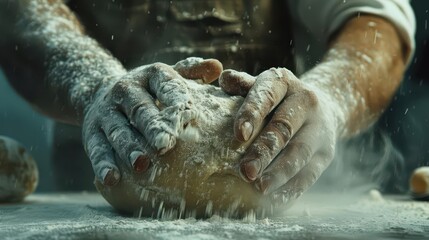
pixel 201 179
pixel 372 24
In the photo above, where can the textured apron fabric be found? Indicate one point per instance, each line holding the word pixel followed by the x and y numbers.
pixel 247 35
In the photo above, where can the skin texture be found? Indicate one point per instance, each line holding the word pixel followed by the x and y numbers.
pixel 338 98
pixel 196 178
pixel 131 122
pixel 50 61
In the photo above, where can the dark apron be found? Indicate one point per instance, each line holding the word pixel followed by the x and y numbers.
pixel 247 35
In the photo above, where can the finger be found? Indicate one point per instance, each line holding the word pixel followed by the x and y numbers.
pixel 172 90
pixel 127 143
pixel 286 121
pixel 269 89
pixel 236 83
pixel 102 157
pixel 130 97
pixel 162 81
pixel 169 87
pixel 289 162
pixel 159 128
pixel 195 68
pixel 163 130
pixel 306 178
pixel 140 108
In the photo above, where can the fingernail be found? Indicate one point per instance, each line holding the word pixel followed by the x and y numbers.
pixel 246 130
pixel 251 169
pixel 264 184
pixel 111 177
pixel 139 161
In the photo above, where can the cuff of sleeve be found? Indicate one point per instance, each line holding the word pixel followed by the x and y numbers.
pixel 331 15
pixel 401 16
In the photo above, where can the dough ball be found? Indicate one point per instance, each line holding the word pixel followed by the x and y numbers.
pixel 196 178
pixel 18 171
pixel 419 182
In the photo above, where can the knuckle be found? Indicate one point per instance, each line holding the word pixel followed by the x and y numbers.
pixel 330 152
pixel 311 97
pixel 97 154
pixel 94 154
pixel 119 91
pixel 283 73
pixel 120 88
pixel 268 142
pixel 290 76
pixel 287 73
pixel 114 131
pixel 158 67
pixel 250 112
pixel 172 87
pixel 270 97
pixel 282 128
pixel 162 71
pixel 262 151
pixel 302 148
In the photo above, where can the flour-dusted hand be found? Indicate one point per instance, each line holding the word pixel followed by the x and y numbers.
pixel 125 118
pixel 338 98
pixel 297 143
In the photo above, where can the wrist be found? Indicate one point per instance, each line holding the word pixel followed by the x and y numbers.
pixel 93 94
pixel 333 102
pixel 79 70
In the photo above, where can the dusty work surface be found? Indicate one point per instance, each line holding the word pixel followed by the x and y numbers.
pixel 315 216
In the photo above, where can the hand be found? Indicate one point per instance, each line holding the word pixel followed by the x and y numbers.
pixel 297 143
pixel 124 123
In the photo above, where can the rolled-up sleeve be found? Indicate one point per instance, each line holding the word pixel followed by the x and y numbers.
pixel 324 17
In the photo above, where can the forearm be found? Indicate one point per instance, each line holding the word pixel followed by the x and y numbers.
pixel 361 71
pixel 51 62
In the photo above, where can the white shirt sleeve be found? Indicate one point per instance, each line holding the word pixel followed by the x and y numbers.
pixel 324 17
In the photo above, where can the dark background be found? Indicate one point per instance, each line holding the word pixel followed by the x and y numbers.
pixel 405 123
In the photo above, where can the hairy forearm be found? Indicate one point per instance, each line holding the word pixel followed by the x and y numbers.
pixel 361 71
pixel 51 62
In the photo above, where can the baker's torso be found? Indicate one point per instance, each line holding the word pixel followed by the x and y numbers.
pixel 247 35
